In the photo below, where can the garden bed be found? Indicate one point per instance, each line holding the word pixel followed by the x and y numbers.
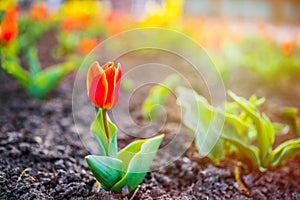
pixel 43 157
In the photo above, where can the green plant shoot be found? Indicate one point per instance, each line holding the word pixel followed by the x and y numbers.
pixel 157 96
pixel 247 133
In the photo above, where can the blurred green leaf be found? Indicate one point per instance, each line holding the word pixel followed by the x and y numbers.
pixel 245 151
pixel 286 150
pixel 34 65
pixel 291 116
pixel 265 130
pixel 44 81
pixel 200 118
pixel 280 129
pixel 157 96
pixel 10 64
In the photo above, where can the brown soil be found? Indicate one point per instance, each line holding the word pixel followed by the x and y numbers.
pixel 42 157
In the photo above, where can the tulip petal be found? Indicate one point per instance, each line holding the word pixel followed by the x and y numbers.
pixel 110 70
pixel 98 90
pixel 94 70
pixel 117 83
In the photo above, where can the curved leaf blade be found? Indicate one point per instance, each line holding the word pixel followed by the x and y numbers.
pixel 285 151
pixel 142 153
pixel 106 170
pixel 97 127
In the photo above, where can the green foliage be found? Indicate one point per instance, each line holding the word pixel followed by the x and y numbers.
pixel 136 160
pixel 106 148
pixel 107 170
pixel 29 37
pixel 200 118
pixel 157 96
pixel 291 116
pixel 268 59
pixel 38 83
pixel 127 84
pixel 117 170
pixel 246 132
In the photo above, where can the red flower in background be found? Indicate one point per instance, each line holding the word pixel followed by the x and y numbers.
pixel 9 26
pixel 103 84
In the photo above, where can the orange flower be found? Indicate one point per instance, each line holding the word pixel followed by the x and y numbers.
pixel 117 22
pixel 87 45
pixel 9 26
pixel 38 11
pixel 103 84
pixel 287 48
pixel 70 24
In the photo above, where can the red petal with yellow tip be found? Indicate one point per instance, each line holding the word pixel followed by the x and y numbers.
pixel 94 70
pixel 98 91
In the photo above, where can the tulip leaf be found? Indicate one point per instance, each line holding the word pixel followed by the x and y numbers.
pixel 157 96
pixel 107 170
pixel 32 57
pixel 202 120
pixel 10 63
pixel 97 127
pixel 238 124
pixel 285 151
pixel 44 81
pixel 136 160
pixel 265 131
pixel 245 151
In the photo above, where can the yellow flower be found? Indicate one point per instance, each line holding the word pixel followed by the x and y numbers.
pixel 5 4
pixel 167 15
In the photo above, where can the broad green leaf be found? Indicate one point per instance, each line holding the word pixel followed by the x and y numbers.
pixel 46 80
pixel 265 130
pixel 97 127
pixel 140 155
pixel 285 151
pixel 203 121
pixel 106 170
pixel 157 96
pixel 245 151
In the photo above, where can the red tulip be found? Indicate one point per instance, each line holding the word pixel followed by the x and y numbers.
pixel 9 26
pixel 103 84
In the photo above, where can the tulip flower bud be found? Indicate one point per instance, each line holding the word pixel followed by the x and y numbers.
pixel 103 84
pixel 9 26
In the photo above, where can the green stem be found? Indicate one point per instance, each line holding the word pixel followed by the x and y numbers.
pixel 105 122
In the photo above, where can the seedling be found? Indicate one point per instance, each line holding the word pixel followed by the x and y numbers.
pixel 247 133
pixel 157 97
